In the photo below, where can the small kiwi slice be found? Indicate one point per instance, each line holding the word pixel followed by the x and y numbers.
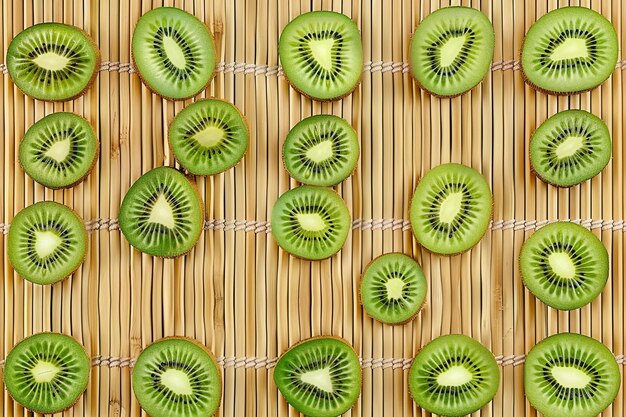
pixel 451 209
pixel 571 375
pixel 453 375
pixel 60 150
pixel 393 288
pixel 173 52
pixel 178 377
pixel 321 150
pixel 310 222
pixel 319 377
pixel 53 61
pixel 564 265
pixel 47 242
pixel 162 214
pixel 321 55
pixel 569 50
pixel 451 50
pixel 570 147
pixel 47 372
pixel 209 136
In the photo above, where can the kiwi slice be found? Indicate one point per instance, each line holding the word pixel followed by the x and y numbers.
pixel 321 55
pixel 161 213
pixel 393 288
pixel 47 372
pixel 310 222
pixel 570 147
pixel 209 137
pixel 564 265
pixel 453 375
pixel 47 242
pixel 173 52
pixel 571 375
pixel 321 150
pixel 60 150
pixel 569 50
pixel 178 377
pixel 319 377
pixel 451 50
pixel 451 209
pixel 53 61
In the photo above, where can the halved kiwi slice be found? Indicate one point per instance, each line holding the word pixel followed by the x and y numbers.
pixel 451 50
pixel 569 50
pixel 161 213
pixel 321 54
pixel 60 150
pixel 310 222
pixel 53 61
pixel 319 377
pixel 177 376
pixel 173 52
pixel 453 375
pixel 564 265
pixel 451 209
pixel 321 150
pixel 393 288
pixel 47 372
pixel 209 136
pixel 47 242
pixel 571 375
pixel 570 147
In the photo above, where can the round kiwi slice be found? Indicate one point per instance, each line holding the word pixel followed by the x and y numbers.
pixel 570 147
pixel 310 222
pixel 321 55
pixel 393 288
pixel 453 375
pixel 321 150
pixel 53 61
pixel 161 213
pixel 177 376
pixel 564 265
pixel 451 209
pixel 209 136
pixel 47 372
pixel 47 242
pixel 569 50
pixel 319 377
pixel 451 50
pixel 60 150
pixel 173 52
pixel 571 375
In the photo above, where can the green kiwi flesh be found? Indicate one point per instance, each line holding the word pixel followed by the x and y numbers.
pixel 451 50
pixel 47 372
pixel 451 209
pixel 569 50
pixel 60 150
pixel 177 377
pixel 209 136
pixel 319 377
pixel 564 265
pixel 310 222
pixel 53 61
pixel 173 52
pixel 453 375
pixel 393 288
pixel 161 213
pixel 47 242
pixel 571 375
pixel 321 54
pixel 570 147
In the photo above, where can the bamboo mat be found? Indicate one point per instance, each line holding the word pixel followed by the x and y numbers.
pixel 242 296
